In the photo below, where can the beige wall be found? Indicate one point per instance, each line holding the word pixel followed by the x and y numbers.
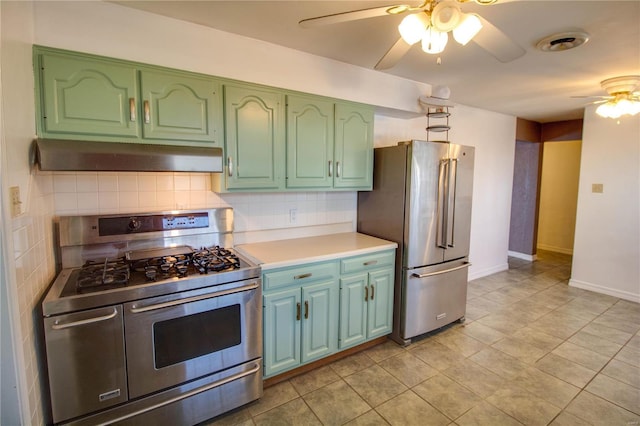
pixel 607 243
pixel 559 196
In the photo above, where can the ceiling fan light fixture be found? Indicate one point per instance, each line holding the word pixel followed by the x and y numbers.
pixel 469 26
pixel 446 16
pixel 413 27
pixel 616 108
pixel 625 100
pixel 434 41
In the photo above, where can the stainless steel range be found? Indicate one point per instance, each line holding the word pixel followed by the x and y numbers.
pixel 154 319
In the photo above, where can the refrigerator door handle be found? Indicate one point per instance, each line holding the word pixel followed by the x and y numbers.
pixel 430 274
pixel 442 207
pixel 451 201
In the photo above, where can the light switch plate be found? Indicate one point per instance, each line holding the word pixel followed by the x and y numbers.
pixel 597 188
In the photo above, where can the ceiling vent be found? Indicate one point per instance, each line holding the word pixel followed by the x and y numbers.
pixel 562 41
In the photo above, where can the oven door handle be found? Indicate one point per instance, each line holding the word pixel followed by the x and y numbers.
pixel 195 391
pixel 136 310
pixel 57 326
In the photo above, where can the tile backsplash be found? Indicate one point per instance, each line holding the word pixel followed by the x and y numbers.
pixel 86 193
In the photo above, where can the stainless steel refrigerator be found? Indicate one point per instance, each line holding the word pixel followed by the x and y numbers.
pixel 421 199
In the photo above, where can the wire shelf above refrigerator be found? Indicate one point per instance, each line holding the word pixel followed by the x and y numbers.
pixel 438 121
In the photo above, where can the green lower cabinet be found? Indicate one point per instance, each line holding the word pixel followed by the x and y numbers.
pixel 380 303
pixel 366 306
pixel 300 325
pixel 281 331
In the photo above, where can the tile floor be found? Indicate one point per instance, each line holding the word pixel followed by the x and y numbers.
pixel 533 351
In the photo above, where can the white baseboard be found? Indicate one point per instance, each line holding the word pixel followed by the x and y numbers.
pixel 473 274
pixel 632 297
pixel 555 249
pixel 523 256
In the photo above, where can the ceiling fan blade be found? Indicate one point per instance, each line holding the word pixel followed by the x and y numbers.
pixel 347 16
pixel 393 55
pixel 592 97
pixel 494 41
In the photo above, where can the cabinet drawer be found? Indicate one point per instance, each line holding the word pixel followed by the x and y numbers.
pixel 299 275
pixel 367 262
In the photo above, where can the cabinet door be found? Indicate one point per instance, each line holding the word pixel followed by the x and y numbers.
pixel 353 310
pixel 254 138
pixel 380 305
pixel 180 107
pixel 85 97
pixel 320 320
pixel 281 331
pixel 353 147
pixel 310 137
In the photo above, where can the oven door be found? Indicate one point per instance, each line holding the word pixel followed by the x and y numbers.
pixel 179 337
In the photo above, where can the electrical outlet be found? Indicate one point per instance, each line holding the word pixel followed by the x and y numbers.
pixel 597 188
pixel 14 193
pixel 293 215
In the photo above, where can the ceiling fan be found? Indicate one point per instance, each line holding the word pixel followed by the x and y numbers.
pixel 430 23
pixel 623 97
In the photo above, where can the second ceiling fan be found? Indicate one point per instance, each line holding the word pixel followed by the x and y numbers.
pixel 430 23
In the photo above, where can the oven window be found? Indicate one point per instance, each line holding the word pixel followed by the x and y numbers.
pixel 181 339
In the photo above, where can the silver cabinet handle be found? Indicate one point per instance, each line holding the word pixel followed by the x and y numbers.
pixel 230 165
pixel 132 109
pixel 147 113
pixel 330 168
pixel 136 310
pixel 302 276
pixel 337 169
pixel 57 326
pixel 369 263
pixel 430 274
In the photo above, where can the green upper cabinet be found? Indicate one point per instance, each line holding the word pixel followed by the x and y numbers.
pixel 87 96
pixel 310 135
pixel 179 107
pixel 255 139
pixel 329 145
pixel 353 147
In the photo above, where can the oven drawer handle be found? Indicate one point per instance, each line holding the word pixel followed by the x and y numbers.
pixel 193 392
pixel 464 265
pixel 249 287
pixel 57 326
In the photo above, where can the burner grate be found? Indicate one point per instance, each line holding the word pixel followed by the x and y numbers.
pixel 107 274
pixel 161 264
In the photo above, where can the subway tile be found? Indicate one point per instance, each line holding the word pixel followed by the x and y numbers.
pixel 107 182
pixel 87 182
pixel 64 183
pixel 147 181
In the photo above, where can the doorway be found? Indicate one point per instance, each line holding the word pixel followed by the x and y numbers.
pixel 558 196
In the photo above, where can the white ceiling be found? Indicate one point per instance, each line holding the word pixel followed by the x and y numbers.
pixel 537 86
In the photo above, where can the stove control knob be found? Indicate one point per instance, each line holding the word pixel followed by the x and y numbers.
pixel 134 224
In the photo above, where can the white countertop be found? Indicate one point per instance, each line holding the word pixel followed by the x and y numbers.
pixel 290 252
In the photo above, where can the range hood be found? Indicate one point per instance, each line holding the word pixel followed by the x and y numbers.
pixel 72 155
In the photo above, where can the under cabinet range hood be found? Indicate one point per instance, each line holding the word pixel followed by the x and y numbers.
pixel 75 155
